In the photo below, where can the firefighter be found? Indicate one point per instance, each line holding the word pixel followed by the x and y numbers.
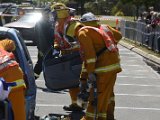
pixel 98 48
pixel 65 43
pixel 12 73
pixel 89 19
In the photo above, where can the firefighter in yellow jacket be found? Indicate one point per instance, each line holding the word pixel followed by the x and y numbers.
pixel 65 44
pixel 103 67
pixel 90 20
pixel 12 74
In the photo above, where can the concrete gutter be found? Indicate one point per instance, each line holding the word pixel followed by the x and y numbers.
pixel 149 58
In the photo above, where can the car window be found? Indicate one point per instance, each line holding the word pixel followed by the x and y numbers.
pixel 11 10
pixel 30 18
pixel 2 9
pixel 3 36
pixel 24 46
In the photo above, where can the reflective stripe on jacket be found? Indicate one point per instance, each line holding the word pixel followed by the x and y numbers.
pixel 16 84
pixel 61 40
pixel 7 87
pixel 107 36
pixel 6 60
pixel 91 42
pixel 92 115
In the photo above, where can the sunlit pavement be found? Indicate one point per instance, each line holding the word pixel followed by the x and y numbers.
pixel 137 90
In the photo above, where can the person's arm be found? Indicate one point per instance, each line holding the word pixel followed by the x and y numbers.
pixel 88 50
pixel 117 35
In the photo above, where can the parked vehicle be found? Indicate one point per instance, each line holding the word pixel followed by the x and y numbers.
pixel 27 26
pixel 32 9
pixel 9 13
pixel 24 60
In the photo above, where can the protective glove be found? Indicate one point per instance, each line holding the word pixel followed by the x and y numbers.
pixel 92 79
pixel 4 90
pixel 56 53
pixel 82 98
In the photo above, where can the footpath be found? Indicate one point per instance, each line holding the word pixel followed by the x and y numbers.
pixel 149 56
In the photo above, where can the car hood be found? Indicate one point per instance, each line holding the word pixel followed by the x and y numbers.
pixel 20 25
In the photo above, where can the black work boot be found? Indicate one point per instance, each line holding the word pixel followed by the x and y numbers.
pixel 73 107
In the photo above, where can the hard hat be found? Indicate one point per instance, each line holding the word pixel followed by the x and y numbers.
pixel 59 6
pixel 60 10
pixel 8 45
pixel 87 17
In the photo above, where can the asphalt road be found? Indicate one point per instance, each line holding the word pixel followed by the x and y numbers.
pixel 137 91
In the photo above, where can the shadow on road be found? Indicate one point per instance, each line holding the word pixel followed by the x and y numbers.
pixel 70 116
pixel 153 65
pixel 52 91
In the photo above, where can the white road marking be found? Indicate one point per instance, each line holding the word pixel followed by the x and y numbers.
pixel 131 65
pixel 126 76
pixel 140 85
pixel 48 105
pixel 128 108
pixel 124 94
pixel 137 95
pixel 40 80
pixel 135 108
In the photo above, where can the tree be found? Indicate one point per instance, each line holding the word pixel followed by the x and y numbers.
pixel 139 3
pixel 11 1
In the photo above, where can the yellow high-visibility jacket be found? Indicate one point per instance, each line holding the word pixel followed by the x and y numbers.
pixel 92 42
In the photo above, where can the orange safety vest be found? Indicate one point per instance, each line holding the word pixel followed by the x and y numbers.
pixel 107 36
pixel 61 39
pixel 6 60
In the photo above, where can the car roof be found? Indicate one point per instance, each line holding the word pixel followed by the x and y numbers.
pixel 31 17
pixel 7 33
pixel 12 34
pixel 28 20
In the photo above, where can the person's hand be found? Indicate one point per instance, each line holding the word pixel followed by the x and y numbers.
pixel 4 90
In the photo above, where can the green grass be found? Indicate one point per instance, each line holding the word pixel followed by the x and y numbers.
pixel 112 22
pixel 143 48
pixel 130 18
pixel 109 22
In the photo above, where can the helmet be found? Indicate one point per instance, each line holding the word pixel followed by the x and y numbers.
pixel 87 17
pixel 8 45
pixel 58 6
pixel 59 10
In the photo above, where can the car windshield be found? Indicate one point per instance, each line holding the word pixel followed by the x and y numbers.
pixel 31 17
pixel 2 9
pixel 11 11
pixel 26 52
pixel 31 9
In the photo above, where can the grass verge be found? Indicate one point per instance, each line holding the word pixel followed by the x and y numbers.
pixel 141 47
